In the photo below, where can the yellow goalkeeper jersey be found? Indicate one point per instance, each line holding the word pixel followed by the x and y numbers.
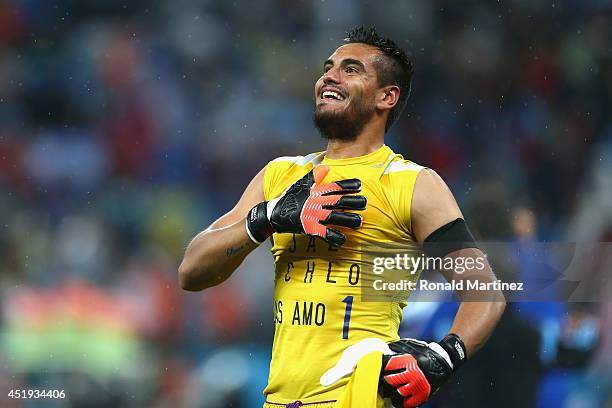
pixel 318 310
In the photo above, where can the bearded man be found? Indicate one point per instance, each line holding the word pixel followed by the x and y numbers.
pixel 319 210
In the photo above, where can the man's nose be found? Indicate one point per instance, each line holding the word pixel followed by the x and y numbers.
pixel 331 76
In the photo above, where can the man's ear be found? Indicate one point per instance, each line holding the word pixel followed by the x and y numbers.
pixel 388 97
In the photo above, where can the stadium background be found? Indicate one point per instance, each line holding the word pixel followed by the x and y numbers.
pixel 126 127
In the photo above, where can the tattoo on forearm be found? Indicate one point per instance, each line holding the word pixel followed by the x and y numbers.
pixel 231 251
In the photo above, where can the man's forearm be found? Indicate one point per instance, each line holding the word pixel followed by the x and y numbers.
pixel 213 255
pixel 475 322
pixel 479 311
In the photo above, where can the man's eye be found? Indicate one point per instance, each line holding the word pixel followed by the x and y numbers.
pixel 350 70
pixel 326 68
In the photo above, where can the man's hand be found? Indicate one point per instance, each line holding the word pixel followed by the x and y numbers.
pixel 307 207
pixel 418 369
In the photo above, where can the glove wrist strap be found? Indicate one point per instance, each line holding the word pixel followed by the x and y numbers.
pixel 257 223
pixel 455 348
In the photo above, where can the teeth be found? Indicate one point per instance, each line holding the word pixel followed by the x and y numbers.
pixel 332 94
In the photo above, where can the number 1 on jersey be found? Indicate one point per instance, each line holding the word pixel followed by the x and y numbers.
pixel 347 316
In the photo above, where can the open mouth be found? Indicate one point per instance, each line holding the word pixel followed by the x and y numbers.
pixel 332 95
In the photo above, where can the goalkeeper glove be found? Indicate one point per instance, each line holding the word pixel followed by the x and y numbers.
pixel 307 207
pixel 418 369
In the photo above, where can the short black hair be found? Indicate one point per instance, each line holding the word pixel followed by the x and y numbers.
pixel 397 68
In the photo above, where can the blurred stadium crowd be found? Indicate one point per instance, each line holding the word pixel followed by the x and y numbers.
pixel 126 127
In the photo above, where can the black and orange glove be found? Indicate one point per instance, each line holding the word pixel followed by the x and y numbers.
pixel 418 369
pixel 308 207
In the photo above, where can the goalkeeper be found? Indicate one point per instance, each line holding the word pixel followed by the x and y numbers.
pixel 317 211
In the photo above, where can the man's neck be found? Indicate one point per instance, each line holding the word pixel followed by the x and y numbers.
pixel 343 150
pixel 367 142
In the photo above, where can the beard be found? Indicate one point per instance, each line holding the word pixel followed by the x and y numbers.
pixel 343 124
